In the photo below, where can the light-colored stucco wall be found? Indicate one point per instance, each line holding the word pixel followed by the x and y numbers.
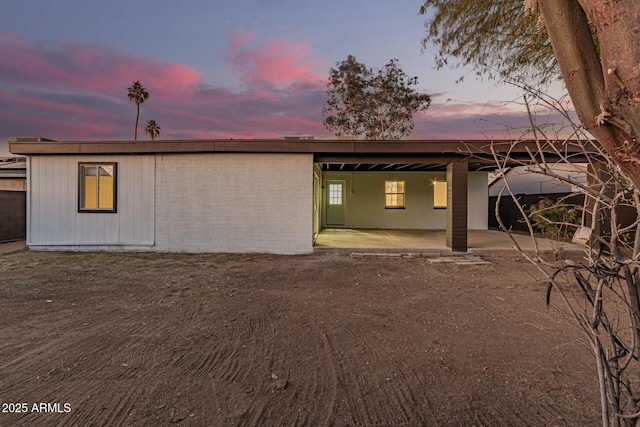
pixel 53 220
pixel 478 201
pixel 234 202
pixel 365 200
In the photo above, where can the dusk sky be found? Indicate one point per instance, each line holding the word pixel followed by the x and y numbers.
pixel 219 69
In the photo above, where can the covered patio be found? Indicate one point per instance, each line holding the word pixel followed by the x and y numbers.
pixel 334 193
pixel 425 240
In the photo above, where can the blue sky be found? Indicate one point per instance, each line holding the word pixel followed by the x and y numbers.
pixel 218 69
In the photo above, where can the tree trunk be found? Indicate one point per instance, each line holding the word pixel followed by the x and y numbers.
pixel 135 134
pixel 606 95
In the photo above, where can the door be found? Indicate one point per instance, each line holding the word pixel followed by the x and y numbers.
pixel 334 213
pixel 317 205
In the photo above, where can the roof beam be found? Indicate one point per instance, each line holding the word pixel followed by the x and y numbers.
pixel 408 148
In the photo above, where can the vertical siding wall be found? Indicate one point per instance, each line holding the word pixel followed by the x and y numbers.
pixel 365 200
pixel 53 217
pixel 232 202
pixel 13 214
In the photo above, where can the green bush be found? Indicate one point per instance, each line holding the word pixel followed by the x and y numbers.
pixel 554 220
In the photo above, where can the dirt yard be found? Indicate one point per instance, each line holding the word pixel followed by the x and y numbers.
pixel 246 340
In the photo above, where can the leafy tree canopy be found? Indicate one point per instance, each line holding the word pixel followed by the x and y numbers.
pixel 137 93
pixel 152 129
pixel 497 38
pixel 372 104
pixel 593 44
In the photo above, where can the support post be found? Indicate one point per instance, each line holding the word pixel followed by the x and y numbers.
pixel 457 183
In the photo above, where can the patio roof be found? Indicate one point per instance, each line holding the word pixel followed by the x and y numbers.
pixel 410 155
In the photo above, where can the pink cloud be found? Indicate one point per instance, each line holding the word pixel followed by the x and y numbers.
pixel 275 62
pixel 487 123
pixel 66 91
pixel 72 91
pixel 29 103
pixel 99 69
pixel 468 108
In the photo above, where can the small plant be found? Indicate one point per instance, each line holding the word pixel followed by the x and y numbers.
pixel 555 220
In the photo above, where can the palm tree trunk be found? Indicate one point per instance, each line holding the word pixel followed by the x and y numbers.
pixel 135 135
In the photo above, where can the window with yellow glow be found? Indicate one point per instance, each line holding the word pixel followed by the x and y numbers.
pixel 97 189
pixel 440 194
pixel 394 194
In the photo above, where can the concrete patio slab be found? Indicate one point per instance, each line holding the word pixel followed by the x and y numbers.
pixel 427 240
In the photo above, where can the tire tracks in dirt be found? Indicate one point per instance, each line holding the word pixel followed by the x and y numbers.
pixel 220 366
pixel 329 353
pixel 360 395
pixel 82 358
pixel 295 341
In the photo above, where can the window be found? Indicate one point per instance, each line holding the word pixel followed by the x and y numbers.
pixel 440 194
pixel 335 194
pixel 97 187
pixel 394 194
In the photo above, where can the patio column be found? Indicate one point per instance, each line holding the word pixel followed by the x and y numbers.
pixel 457 178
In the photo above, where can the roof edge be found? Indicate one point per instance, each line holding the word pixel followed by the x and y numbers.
pixel 337 146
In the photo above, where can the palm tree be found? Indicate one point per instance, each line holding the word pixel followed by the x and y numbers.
pixel 138 94
pixel 152 129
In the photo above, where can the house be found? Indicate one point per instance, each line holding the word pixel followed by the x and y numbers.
pixel 13 200
pixel 529 186
pixel 525 180
pixel 271 196
pixel 13 174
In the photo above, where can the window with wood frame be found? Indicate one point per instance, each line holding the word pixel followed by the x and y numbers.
pixel 440 194
pixel 394 192
pixel 97 187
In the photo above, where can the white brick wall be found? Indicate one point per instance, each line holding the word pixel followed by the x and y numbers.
pixel 227 202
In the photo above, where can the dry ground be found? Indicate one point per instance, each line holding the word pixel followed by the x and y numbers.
pixel 318 340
